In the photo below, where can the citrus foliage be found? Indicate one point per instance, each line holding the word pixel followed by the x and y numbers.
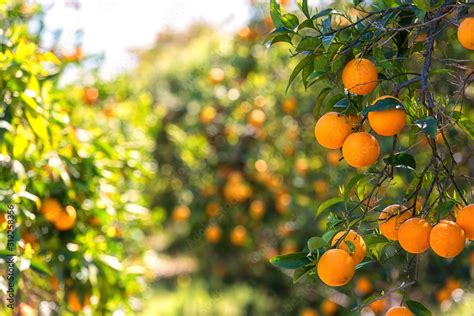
pixel 398 72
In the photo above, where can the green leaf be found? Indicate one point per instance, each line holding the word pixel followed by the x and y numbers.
pixel 327 40
pixel 428 125
pixel 322 95
pixel 363 264
pixel 402 160
pixel 40 267
pixel 277 39
pixel 327 204
pixel 352 182
pixel 291 261
pixel 290 21
pixel 328 236
pixel 418 309
pixel 303 5
pixel 445 208
pixel 384 104
pixel 350 245
pixel 275 13
pixel 324 12
pixel 301 272
pixel 305 61
pixel 308 44
pixel 6 253
pixel 424 5
pixel 465 123
pixel 314 243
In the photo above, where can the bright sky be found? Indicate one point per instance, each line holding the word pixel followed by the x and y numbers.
pixel 114 26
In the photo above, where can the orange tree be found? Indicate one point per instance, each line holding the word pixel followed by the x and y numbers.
pixel 399 73
pixel 71 191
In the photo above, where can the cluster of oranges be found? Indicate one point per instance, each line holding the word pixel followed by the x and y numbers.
pixel 415 234
pixel 335 131
pixel 62 218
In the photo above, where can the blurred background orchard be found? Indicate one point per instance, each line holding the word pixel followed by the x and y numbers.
pixel 180 164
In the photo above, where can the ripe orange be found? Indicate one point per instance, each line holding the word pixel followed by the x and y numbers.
pixel 257 209
pixel 309 312
pixel 414 235
pixel 213 209
pixel 332 129
pixel 238 235
pixel 356 240
pixel 67 219
pixel 91 96
pixel 216 75
pixel 289 105
pixel 466 33
pixel 51 209
pixel 328 307
pixel 207 115
pixel 465 219
pixel 360 149
pixel 390 220
pixel 399 311
pixel 387 122
pixel 181 213
pixel 447 239
pixel 443 295
pixel 360 76
pixel 363 286
pixel 257 118
pixel 213 233
pixel 75 303
pixel 336 267
pixel 378 306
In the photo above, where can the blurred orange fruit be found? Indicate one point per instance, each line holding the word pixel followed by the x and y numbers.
pixel 207 115
pixel 363 286
pixel 213 209
pixel 447 239
pixel 238 235
pixel 378 306
pixel 328 307
pixel 51 209
pixel 257 118
pixel 213 233
pixel 67 219
pixel 257 209
pixel 334 157
pixel 336 267
pixel 289 105
pixel 181 213
pixel 360 76
pixel 308 311
pixel 74 302
pixel 91 96
pixel 216 75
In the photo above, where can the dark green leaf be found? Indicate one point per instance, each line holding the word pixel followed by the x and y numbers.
pixel 301 272
pixel 290 21
pixel 308 59
pixel 303 4
pixel 327 236
pixel 305 24
pixel 363 264
pixel 314 243
pixel 275 13
pixel 384 104
pixel 291 261
pixel 445 208
pixel 402 160
pixel 428 125
pixel 418 309
pixel 308 44
pixel 278 39
pixel 352 182
pixel 424 5
pixel 327 204
pixel 322 95
pixel 323 13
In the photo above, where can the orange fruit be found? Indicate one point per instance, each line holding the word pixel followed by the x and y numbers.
pixel 67 219
pixel 74 302
pixel 443 295
pixel 309 312
pixel 181 213
pixel 26 310
pixel 207 115
pixel 466 33
pixel 54 283
pixel 51 209
pixel 289 105
pixel 387 122
pixel 282 202
pixel 452 284
pixel 328 307
pixel 257 118
pixel 213 233
pixel 399 311
pixel 333 157
pixel 91 96
pixel 336 267
pixel 358 253
pixel 257 209
pixel 390 220
pixel 378 306
pixel 246 33
pixel 216 75
pixel 320 187
pixel 213 209
pixel 447 239
pixel 360 149
pixel 360 76
pixel 238 235
pixel 465 219
pixel 289 246
pixel 363 286
pixel 414 235
pixel 332 129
